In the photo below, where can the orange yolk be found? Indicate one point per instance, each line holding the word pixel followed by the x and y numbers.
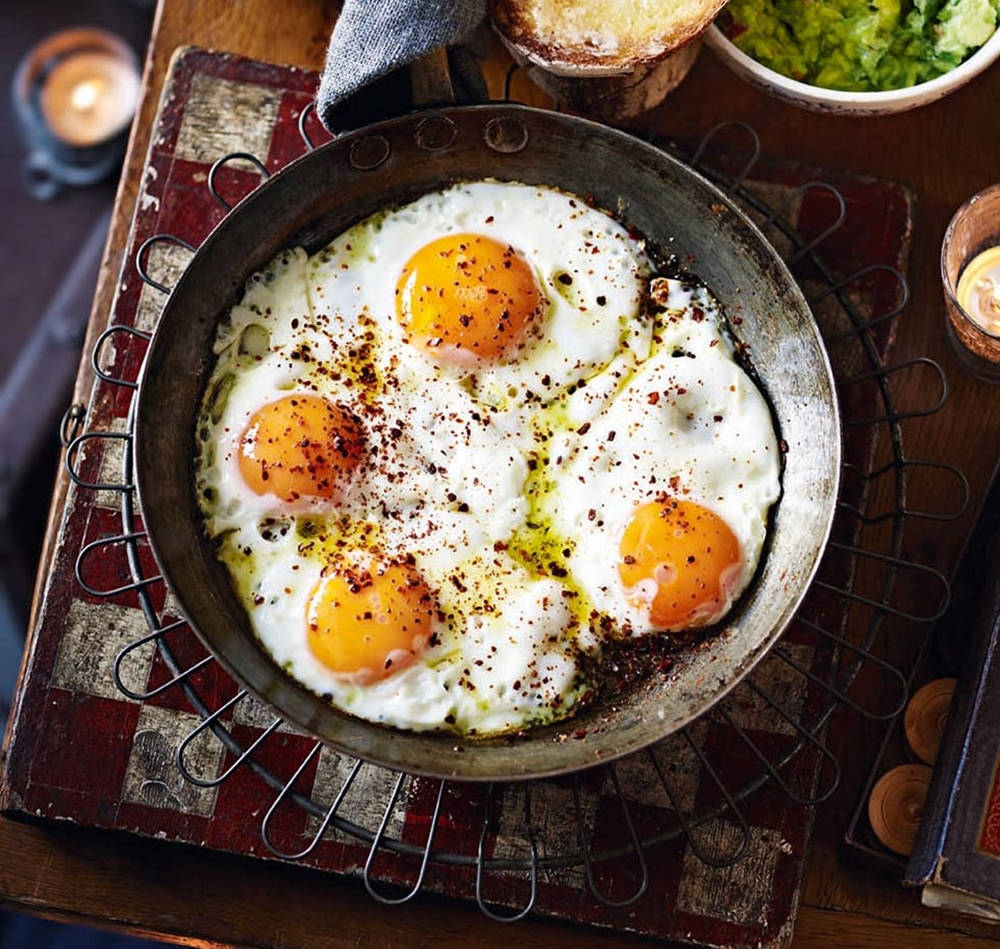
pixel 465 298
pixel 366 625
pixel 679 560
pixel 301 446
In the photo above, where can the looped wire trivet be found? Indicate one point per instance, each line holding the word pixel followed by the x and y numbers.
pixel 796 689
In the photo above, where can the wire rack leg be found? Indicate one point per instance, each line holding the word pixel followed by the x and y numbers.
pixel 155 636
pixel 718 860
pixel 209 722
pixel 380 835
pixel 265 824
pixel 481 862
pixel 640 857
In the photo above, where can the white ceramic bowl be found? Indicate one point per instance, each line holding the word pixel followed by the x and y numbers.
pixel 818 99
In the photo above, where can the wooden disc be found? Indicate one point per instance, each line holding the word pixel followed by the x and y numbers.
pixel 896 804
pixel 926 717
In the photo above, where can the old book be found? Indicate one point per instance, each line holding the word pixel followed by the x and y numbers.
pixel 956 856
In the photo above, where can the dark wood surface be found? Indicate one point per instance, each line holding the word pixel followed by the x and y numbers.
pixel 39 243
pixel 944 152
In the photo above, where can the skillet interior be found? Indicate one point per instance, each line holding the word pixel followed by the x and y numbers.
pixel 325 192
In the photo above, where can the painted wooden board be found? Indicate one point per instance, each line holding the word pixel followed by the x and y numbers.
pixel 79 751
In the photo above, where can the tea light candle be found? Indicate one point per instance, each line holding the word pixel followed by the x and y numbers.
pixel 970 275
pixel 74 96
pixel 978 291
pixel 89 97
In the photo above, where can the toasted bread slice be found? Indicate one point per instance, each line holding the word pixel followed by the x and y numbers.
pixel 599 36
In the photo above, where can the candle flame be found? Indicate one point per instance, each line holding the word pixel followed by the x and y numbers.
pixel 85 94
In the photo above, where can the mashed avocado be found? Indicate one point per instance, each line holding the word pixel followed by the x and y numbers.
pixel 861 45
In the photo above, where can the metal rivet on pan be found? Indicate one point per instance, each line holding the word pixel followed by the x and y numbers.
pixel 506 134
pixel 435 133
pixel 368 153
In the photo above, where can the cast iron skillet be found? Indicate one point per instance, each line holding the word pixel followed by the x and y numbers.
pixel 324 192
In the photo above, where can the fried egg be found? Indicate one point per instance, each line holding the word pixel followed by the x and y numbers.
pixel 432 464
pixel 665 489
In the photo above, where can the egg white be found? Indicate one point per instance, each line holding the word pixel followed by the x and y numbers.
pixel 479 473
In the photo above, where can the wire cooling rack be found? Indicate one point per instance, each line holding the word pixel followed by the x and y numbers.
pixel 869 526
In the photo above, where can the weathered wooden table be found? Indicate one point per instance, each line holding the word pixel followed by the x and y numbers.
pixel 944 152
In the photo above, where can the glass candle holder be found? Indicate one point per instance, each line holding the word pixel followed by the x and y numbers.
pixel 74 95
pixel 971 236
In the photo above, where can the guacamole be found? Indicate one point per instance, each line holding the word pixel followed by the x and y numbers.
pixel 861 45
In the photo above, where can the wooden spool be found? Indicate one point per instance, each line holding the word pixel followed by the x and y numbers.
pixel 896 805
pixel 926 717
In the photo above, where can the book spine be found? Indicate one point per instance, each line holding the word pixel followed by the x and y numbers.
pixel 952 760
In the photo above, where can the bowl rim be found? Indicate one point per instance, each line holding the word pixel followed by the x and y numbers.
pixel 922 91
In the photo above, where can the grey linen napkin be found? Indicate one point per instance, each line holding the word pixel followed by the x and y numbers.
pixel 373 39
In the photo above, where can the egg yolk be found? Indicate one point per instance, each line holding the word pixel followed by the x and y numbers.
pixel 679 560
pixel 466 298
pixel 366 625
pixel 301 446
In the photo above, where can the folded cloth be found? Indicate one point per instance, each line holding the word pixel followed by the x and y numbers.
pixel 374 38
